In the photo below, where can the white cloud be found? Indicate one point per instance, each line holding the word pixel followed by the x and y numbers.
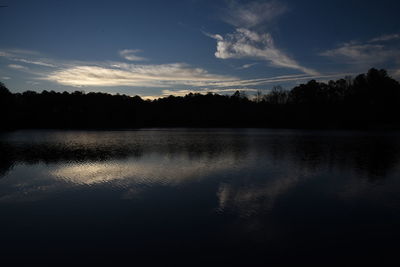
pixel 121 74
pixel 253 14
pixel 32 82
pixel 368 54
pixel 277 80
pixel 20 56
pixel 130 54
pixel 159 76
pixel 385 37
pixel 174 75
pixel 246 66
pixel 17 67
pixel 358 52
pixel 5 78
pixel 35 62
pixel 4 54
pixel 249 44
pixel 242 85
pixel 24 52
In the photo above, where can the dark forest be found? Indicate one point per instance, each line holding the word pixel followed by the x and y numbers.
pixel 369 100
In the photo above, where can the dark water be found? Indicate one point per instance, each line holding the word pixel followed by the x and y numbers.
pixel 200 197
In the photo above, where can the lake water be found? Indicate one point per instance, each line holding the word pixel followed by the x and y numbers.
pixel 200 197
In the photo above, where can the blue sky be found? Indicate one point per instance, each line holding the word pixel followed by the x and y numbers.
pixel 154 48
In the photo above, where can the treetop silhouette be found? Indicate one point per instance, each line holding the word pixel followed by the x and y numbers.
pixel 370 100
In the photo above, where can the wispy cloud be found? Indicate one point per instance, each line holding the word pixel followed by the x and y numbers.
pixel 173 76
pixel 25 56
pixel 4 54
pixel 5 78
pixel 368 53
pixel 161 76
pixel 23 52
pixel 228 87
pixel 35 62
pixel 130 54
pixel 33 82
pixel 249 41
pixel 17 67
pixel 245 43
pixel 246 66
pixel 121 74
pixel 385 37
pixel 277 80
pixel 361 53
pixel 253 14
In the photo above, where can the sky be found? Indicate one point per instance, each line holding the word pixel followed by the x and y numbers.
pixel 155 48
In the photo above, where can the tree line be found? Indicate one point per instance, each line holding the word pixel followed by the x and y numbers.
pixel 370 100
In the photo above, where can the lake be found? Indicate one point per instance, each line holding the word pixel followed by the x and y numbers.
pixel 200 197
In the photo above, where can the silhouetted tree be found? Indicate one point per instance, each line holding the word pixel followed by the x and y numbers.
pixel 277 96
pixel 368 100
pixel 6 99
pixel 259 96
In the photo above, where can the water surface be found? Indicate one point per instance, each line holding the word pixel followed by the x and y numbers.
pixel 200 197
